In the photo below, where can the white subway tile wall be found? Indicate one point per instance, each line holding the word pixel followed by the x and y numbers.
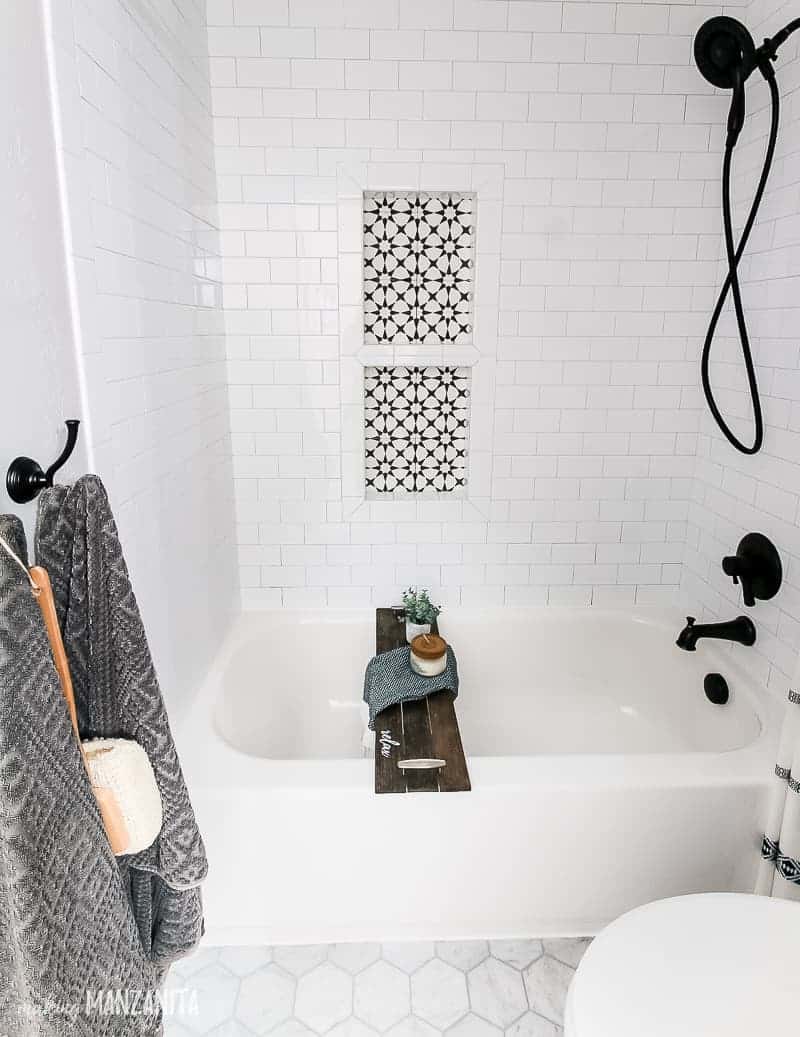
pixel 734 494
pixel 594 148
pixel 600 145
pixel 135 127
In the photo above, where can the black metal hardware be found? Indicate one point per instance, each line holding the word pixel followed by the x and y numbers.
pixel 716 689
pixel 757 566
pixel 726 55
pixel 740 629
pixel 26 478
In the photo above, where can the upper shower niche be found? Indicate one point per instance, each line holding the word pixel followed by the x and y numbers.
pixel 419 264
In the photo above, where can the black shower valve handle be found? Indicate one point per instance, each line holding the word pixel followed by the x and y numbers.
pixel 740 570
pixel 735 567
pixel 756 566
pixel 729 567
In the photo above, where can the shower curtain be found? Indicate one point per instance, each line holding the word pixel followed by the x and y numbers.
pixel 779 874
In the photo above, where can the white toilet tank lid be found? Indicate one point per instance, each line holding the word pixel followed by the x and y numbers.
pixel 708 965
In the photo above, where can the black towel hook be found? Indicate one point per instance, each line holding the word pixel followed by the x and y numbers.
pixel 26 478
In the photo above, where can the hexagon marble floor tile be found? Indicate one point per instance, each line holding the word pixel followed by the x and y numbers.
pixel 478 988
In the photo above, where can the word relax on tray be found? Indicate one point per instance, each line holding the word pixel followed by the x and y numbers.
pixel 386 742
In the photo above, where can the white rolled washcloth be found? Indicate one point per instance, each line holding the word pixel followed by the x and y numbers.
pixel 123 766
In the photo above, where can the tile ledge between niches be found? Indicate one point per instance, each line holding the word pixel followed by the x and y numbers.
pixel 418 356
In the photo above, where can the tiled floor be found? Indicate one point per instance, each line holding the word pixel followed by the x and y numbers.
pixel 475 989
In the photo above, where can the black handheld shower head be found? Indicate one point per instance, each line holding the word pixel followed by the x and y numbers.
pixel 725 52
pixel 726 55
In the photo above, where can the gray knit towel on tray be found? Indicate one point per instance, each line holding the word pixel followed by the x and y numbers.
pixel 117 695
pixel 67 933
pixel 390 679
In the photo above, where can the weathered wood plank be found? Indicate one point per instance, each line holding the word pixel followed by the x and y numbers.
pixel 389 730
pixel 417 745
pixel 389 634
pixel 446 743
pixel 390 631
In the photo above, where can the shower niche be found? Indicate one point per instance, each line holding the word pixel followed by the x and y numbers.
pixel 418 338
pixel 418 265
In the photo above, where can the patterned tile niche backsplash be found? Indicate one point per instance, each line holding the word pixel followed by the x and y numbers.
pixel 419 263
pixel 416 429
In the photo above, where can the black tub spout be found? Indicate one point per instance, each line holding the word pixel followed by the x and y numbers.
pixel 740 629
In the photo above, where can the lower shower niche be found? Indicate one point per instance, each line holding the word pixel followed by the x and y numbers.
pixel 416 430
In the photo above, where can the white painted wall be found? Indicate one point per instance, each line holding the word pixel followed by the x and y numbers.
pixel 136 135
pixel 735 494
pixel 597 145
pixel 38 370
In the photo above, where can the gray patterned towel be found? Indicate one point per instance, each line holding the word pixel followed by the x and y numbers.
pixel 117 695
pixel 67 934
pixel 390 679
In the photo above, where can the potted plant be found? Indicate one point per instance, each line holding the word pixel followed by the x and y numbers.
pixel 420 612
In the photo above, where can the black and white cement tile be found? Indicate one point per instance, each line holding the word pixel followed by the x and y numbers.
pixel 416 430
pixel 419 265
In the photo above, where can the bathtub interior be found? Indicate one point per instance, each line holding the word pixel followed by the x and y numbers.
pixel 533 681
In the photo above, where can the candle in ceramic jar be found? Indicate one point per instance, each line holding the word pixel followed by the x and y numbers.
pixel 428 655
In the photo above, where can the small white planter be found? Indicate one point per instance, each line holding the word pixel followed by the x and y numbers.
pixel 415 629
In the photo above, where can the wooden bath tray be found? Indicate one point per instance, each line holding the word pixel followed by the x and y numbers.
pixel 424 729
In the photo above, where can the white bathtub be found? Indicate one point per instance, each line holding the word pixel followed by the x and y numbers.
pixel 602 778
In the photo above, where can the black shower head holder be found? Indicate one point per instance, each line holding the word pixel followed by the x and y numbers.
pixel 26 478
pixel 726 53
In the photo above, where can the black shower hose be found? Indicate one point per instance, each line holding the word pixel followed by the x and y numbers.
pixel 734 255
